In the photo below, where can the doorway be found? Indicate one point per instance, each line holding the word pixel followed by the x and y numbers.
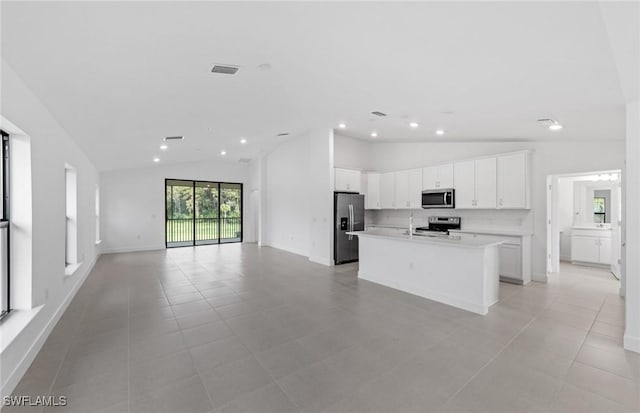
pixel 202 212
pixel 584 221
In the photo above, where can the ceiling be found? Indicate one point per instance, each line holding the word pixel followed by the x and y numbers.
pixel 121 76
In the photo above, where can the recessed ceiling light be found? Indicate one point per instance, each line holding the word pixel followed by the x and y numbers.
pixel 243 141
pixel 555 126
pixel 156 159
pixel 164 147
pixel 440 132
pixel 413 124
pixel 374 134
pixel 223 152
pixel 342 125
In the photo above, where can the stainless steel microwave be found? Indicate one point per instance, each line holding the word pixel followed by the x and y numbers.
pixel 439 198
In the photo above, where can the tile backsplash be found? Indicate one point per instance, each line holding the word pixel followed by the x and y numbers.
pixel 507 219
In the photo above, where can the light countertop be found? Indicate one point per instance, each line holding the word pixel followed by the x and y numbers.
pixel 454 241
pixel 494 231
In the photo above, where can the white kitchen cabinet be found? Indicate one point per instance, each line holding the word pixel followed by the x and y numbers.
pixel 475 183
pixel 347 180
pixel 513 181
pixel 514 253
pixel 408 189
pixel 511 261
pixel 435 177
pixel 388 190
pixel 372 191
pixel 415 188
pixel 465 184
pixel 486 185
pixel 402 190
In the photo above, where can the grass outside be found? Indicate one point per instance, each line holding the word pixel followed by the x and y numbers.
pixel 182 230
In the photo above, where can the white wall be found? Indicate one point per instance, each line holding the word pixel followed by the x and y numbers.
pixel 631 229
pixel 548 158
pixel 297 182
pixel 42 291
pixel 133 200
pixel 351 153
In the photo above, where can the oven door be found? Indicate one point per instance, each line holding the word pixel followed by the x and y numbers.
pixel 441 198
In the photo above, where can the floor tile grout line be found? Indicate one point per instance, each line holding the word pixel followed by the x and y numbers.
pixel 535 317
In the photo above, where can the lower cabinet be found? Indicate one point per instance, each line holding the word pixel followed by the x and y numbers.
pixel 591 249
pixel 511 261
pixel 514 254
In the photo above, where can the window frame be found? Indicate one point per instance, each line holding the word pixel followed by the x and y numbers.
pixel 193 183
pixel 5 215
pixel 604 207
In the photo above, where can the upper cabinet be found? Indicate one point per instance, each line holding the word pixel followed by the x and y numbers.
pixel 475 183
pixel 498 182
pixel 513 181
pixel 372 191
pixel 408 191
pixel 388 190
pixel 347 180
pixel 435 177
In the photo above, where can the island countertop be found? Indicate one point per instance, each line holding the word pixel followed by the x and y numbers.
pixel 452 240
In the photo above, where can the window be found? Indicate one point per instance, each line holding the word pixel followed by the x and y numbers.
pixel 71 229
pixel 599 210
pixel 5 262
pixel 201 212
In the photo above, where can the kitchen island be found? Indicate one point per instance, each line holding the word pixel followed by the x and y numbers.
pixel 460 272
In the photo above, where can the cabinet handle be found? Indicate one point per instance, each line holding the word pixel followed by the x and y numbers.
pixel 348 186
pixel 500 201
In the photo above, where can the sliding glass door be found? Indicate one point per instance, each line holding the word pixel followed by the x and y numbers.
pixel 201 212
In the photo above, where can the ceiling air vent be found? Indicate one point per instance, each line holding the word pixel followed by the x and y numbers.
pixel 378 113
pixel 283 134
pixel 174 138
pixel 226 70
pixel 547 122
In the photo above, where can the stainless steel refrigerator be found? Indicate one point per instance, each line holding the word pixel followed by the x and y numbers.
pixel 348 215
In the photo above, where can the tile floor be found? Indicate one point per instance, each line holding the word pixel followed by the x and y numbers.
pixel 236 328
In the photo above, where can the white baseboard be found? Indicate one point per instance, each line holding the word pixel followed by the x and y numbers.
pixel 321 260
pixel 632 343
pixel 24 364
pixel 133 249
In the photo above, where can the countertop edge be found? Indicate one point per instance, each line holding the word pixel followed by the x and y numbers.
pixel 426 240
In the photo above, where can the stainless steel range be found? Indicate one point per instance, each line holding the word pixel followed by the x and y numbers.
pixel 439 227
